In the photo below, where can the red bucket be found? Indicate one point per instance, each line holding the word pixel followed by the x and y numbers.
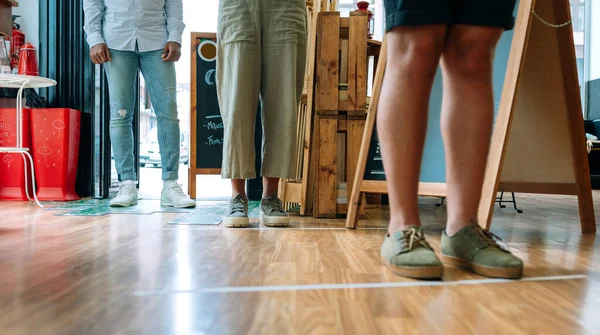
pixel 55 137
pixel 12 167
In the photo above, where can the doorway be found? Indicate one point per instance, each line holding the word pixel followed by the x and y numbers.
pixel 198 16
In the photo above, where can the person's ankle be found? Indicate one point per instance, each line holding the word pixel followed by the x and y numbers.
pixel 169 183
pixel 454 226
pixel 398 225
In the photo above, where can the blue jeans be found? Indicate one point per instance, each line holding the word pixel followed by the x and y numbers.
pixel 159 76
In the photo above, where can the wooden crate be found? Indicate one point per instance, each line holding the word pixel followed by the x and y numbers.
pixel 340 107
pixel 332 119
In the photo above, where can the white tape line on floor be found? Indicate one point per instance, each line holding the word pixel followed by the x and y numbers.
pixel 250 289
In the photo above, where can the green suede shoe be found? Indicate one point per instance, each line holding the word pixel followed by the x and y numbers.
pixel 408 254
pixel 237 213
pixel 479 251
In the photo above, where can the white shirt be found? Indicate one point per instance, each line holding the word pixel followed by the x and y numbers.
pixel 122 23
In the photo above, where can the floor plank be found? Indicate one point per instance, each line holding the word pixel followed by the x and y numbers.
pixel 132 274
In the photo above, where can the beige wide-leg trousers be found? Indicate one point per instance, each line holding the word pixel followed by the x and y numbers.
pixel 261 53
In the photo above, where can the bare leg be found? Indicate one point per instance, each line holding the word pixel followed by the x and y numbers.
pixel 412 60
pixel 467 116
pixel 270 186
pixel 238 186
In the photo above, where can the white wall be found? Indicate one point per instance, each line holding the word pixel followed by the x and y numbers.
pixel 594 41
pixel 29 20
pixel 198 16
pixel 379 20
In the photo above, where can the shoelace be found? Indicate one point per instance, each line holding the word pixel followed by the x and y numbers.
pixel 413 235
pixel 488 238
pixel 126 189
pixel 176 190
pixel 237 204
pixel 274 203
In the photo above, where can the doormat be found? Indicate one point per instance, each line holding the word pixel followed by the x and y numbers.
pixel 212 213
pixel 100 207
pixel 71 205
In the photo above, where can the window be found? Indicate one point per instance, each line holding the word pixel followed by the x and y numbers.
pixel 347 6
pixel 377 8
pixel 578 15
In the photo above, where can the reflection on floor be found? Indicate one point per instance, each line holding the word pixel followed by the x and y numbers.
pixel 211 213
pixel 100 207
pixel 205 213
pixel 137 274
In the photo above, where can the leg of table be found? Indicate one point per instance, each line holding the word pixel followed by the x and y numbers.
pixel 19 118
pixel 33 179
pixel 25 162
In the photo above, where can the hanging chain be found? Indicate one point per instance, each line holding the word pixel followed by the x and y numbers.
pixel 551 24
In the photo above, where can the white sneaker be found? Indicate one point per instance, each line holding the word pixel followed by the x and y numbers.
pixel 173 196
pixel 127 195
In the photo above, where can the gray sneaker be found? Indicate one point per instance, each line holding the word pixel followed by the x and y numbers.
pixel 237 213
pixel 272 213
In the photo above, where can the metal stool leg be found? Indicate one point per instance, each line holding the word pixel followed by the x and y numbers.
pixel 501 199
pixel 515 203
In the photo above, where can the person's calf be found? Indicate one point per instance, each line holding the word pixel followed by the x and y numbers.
pixel 467 118
pixel 413 57
pixel 238 187
pixel 270 186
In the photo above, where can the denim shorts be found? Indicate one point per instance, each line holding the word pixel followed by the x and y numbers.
pixel 488 13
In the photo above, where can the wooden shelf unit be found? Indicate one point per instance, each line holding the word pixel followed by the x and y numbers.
pixel 6 7
pixel 11 3
pixel 332 118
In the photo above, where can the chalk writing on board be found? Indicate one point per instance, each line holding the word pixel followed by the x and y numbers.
pixel 207 50
pixel 208 75
pixel 214 141
pixel 213 125
pixel 216 125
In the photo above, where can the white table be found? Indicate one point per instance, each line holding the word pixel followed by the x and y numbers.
pixel 22 82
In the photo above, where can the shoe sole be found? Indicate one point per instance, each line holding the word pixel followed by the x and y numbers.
pixel 492 272
pixel 124 205
pixel 274 221
pixel 236 222
pixel 416 272
pixel 168 204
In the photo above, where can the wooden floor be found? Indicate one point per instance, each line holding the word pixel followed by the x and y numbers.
pixel 135 274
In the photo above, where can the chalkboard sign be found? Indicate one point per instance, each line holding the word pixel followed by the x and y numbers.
pixel 374 168
pixel 209 125
pixel 206 124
